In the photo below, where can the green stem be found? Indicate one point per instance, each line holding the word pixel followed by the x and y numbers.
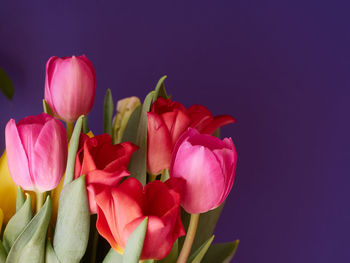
pixel 191 233
pixel 39 200
pixel 152 177
pixel 69 127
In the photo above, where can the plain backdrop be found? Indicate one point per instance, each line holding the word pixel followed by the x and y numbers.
pixel 281 67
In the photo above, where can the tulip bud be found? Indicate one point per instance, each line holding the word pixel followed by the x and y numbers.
pixel 36 152
pixel 208 165
pixel 125 108
pixel 70 86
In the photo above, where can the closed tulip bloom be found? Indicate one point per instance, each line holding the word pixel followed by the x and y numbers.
pixel 103 163
pixel 70 86
pixel 167 120
pixel 121 209
pixel 208 165
pixel 36 152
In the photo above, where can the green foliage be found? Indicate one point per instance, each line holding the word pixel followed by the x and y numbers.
pixel 6 85
pixel 108 109
pixel 73 222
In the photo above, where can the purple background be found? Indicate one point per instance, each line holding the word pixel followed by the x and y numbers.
pixel 280 67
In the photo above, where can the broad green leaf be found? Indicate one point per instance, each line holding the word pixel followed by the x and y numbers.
pixel 50 254
pixel 130 131
pixel 72 151
pixel 221 253
pixel 6 85
pixel 172 256
pixel 113 257
pixel 73 222
pixel 137 164
pixel 29 247
pixel 160 89
pixel 134 245
pixel 47 108
pixel 108 109
pixel 197 256
pixel 3 253
pixel 86 128
pixel 19 199
pixel 206 226
pixel 17 223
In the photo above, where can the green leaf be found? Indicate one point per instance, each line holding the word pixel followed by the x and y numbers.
pixel 172 256
pixel 19 199
pixel 206 226
pixel 3 253
pixel 72 151
pixel 29 247
pixel 130 131
pixel 17 223
pixel 113 257
pixel 160 89
pixel 86 128
pixel 6 85
pixel 134 245
pixel 137 166
pixel 221 253
pixel 50 254
pixel 108 109
pixel 47 108
pixel 197 256
pixel 73 222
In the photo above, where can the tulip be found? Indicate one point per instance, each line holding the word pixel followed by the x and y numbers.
pixel 1 219
pixel 70 86
pixel 121 209
pixel 36 152
pixel 167 120
pixel 125 108
pixel 103 164
pixel 208 165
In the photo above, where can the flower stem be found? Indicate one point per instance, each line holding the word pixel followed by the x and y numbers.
pixel 39 200
pixel 69 127
pixel 94 245
pixel 152 177
pixel 191 233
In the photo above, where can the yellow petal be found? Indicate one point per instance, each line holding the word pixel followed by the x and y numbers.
pixel 1 219
pixel 8 190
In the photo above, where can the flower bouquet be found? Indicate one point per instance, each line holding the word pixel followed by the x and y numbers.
pixel 149 189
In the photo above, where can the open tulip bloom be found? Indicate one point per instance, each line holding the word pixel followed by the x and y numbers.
pixel 140 191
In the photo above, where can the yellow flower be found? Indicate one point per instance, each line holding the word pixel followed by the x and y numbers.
pixel 1 219
pixel 8 190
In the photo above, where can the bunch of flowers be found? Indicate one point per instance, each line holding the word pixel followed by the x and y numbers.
pixel 153 185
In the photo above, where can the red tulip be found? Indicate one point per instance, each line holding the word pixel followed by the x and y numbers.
pixel 36 152
pixel 167 120
pixel 103 163
pixel 70 86
pixel 208 165
pixel 121 209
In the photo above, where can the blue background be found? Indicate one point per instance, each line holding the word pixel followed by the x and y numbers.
pixel 281 67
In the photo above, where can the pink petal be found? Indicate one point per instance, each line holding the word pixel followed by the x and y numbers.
pixel 49 156
pixel 17 158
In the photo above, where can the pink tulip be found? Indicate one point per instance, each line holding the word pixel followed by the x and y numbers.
pixel 208 165
pixel 70 86
pixel 36 152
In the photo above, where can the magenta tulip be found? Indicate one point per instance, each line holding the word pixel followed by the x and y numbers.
pixel 70 86
pixel 36 152
pixel 208 165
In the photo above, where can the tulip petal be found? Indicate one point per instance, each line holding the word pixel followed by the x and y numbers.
pixel 203 174
pixel 17 158
pixel 104 202
pixel 177 122
pixel 218 122
pixel 159 145
pixel 49 157
pixel 200 116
